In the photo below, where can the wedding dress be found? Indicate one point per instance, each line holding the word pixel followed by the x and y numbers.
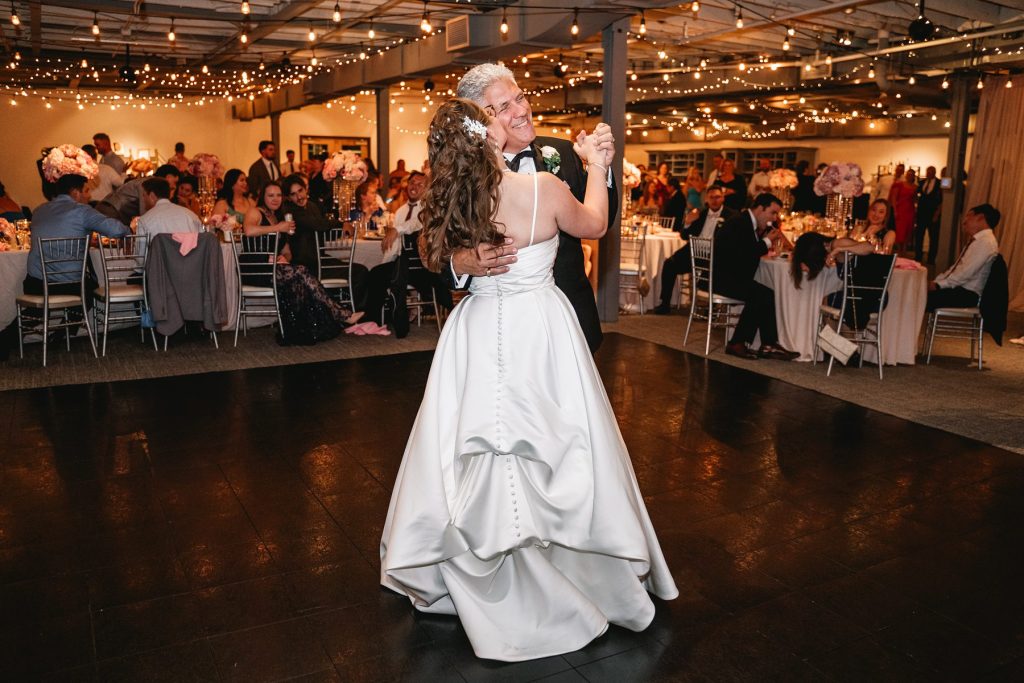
pixel 516 506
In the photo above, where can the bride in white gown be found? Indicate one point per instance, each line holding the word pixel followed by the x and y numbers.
pixel 516 507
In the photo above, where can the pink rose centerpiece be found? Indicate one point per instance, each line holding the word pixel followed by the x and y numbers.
pixel 222 221
pixel 783 179
pixel 205 165
pixel 65 160
pixel 840 178
pixel 347 165
pixel 7 233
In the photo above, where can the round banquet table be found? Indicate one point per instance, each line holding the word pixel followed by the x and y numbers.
pixel 657 248
pixel 13 267
pixel 796 310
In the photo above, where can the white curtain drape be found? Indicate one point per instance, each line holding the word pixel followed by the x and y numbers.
pixel 997 171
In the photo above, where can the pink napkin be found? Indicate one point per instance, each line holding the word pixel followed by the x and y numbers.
pixel 363 329
pixel 187 240
pixel 906 263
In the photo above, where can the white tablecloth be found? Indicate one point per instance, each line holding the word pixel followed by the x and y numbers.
pixel 796 310
pixel 657 248
pixel 13 266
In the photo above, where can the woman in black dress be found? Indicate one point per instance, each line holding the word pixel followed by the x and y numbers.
pixel 308 313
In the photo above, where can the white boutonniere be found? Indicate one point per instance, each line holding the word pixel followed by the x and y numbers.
pixel 552 159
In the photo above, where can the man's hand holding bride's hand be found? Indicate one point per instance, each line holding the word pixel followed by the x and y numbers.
pixel 485 260
pixel 597 147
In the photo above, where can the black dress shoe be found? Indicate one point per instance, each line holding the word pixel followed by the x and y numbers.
pixel 662 309
pixel 776 352
pixel 740 350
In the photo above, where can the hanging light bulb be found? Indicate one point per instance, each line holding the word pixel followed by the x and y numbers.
pixel 828 60
pixel 311 36
pixel 1009 83
pixel 171 36
pixel 743 66
pixel 980 83
pixel 314 61
pixel 15 19
pixel 739 17
pixel 85 63
pixel 425 21
pixel 871 72
pixel 504 22
pixel 785 44
pixel 205 69
pixel 694 6
pixel 262 67
pixel 371 34
pixel 575 28
pixel 790 31
pixel 945 83
pixel 336 15
pixel 912 80
pixel 95 24
pixel 643 24
pixel 245 7
pixel 243 37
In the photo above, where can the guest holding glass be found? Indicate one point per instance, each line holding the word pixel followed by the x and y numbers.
pixel 233 199
pixel 879 228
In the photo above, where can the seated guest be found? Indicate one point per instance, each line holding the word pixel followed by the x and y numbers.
pixel 696 224
pixel 880 226
pixel 368 206
pixel 650 202
pixel 963 283
pixel 308 313
pixel 675 205
pixel 185 193
pixel 127 202
pixel 106 181
pixel 402 264
pixel 309 221
pixel 813 251
pixel 738 251
pixel 9 209
pixel 161 215
pixel 68 214
pixel 234 199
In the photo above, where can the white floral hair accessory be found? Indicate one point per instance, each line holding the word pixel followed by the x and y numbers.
pixel 474 127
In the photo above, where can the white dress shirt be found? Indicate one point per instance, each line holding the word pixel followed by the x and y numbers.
pixel 759 183
pixel 407 222
pixel 166 217
pixel 272 171
pixel 107 181
pixel 971 270
pixel 287 168
pixel 710 223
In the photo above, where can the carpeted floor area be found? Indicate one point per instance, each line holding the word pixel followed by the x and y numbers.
pixel 949 394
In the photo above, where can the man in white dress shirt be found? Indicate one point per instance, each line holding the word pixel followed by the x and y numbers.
pixel 288 167
pixel 163 216
pixel 759 183
pixel 962 285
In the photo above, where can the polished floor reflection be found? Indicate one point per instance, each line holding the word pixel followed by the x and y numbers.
pixel 225 527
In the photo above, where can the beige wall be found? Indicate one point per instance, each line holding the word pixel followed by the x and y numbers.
pixel 869 153
pixel 28 127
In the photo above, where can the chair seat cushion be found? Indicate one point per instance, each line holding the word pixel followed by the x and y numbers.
pixel 719 298
pixel 253 290
pixel 334 282
pixel 121 292
pixel 959 312
pixel 56 300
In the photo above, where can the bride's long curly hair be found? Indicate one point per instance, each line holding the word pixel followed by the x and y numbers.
pixel 461 202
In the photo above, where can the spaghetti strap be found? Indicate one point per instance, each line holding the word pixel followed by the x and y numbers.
pixel 533 222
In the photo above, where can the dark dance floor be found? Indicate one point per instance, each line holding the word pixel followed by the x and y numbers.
pixel 225 527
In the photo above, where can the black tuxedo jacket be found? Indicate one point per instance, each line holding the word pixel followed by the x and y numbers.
pixel 928 203
pixel 737 254
pixel 694 229
pixel 675 208
pixel 258 176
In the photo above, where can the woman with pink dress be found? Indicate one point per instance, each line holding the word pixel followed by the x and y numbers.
pixel 903 198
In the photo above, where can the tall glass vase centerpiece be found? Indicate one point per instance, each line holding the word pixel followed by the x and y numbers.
pixel 346 170
pixel 630 180
pixel 840 183
pixel 206 168
pixel 782 182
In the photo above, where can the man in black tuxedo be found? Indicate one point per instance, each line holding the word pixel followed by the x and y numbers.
pixel 493 87
pixel 675 205
pixel 696 224
pixel 740 243
pixel 264 169
pixel 929 203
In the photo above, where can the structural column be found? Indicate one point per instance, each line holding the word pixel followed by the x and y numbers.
pixel 275 135
pixel 613 112
pixel 956 162
pixel 384 132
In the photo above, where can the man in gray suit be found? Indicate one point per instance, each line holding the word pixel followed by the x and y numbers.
pixel 264 169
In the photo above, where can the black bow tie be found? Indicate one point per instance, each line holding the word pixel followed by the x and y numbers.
pixel 516 161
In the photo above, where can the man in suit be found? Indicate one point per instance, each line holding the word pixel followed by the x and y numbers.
pixel 739 245
pixel 675 205
pixel 264 169
pixel 493 87
pixel 696 224
pixel 929 203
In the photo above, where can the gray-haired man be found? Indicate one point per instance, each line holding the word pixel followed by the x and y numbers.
pixel 493 87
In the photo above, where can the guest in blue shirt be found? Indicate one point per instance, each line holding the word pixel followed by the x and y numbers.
pixel 66 215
